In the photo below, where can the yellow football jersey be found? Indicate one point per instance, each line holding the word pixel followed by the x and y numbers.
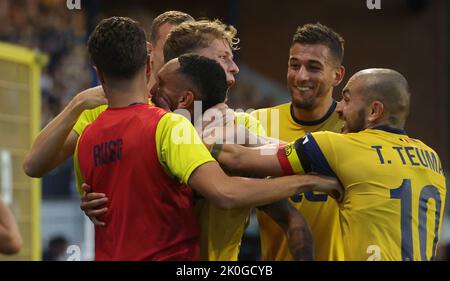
pixel 221 230
pixel 319 210
pixel 394 190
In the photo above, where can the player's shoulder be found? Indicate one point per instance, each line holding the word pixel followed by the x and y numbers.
pixel 172 117
pixel 421 144
pixel 90 115
pixel 170 121
pixel 88 134
pixel 87 117
pixel 326 134
pixel 330 139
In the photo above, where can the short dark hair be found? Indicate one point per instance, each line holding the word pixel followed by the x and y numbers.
pixel 171 17
pixel 320 34
pixel 207 76
pixel 118 47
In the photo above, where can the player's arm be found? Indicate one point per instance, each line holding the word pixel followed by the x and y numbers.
pixel 259 161
pixel 302 156
pixel 235 192
pixel 93 204
pixel 184 156
pixel 220 123
pixel 10 239
pixel 297 231
pixel 56 142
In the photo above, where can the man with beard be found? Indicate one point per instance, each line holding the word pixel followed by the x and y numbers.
pixel 143 157
pixel 314 69
pixel 220 230
pixel 394 185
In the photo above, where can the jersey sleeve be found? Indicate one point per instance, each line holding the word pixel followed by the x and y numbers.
pixel 180 149
pixel 88 116
pixel 306 155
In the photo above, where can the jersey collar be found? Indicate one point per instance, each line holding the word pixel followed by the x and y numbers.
pixel 388 129
pixel 137 103
pixel 315 122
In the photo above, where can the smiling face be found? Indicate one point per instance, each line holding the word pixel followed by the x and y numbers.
pixel 353 108
pixel 311 74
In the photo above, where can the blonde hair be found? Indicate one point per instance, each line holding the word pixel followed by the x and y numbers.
pixel 190 36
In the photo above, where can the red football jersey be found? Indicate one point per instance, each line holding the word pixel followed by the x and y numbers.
pixel 150 216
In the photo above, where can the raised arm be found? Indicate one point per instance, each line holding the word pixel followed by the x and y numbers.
pixel 235 192
pixel 297 231
pixel 56 142
pixel 10 239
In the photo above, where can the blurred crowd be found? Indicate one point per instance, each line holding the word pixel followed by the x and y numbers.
pixel 47 26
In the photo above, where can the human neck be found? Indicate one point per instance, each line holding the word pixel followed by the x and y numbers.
pixel 125 93
pixel 315 113
pixel 386 123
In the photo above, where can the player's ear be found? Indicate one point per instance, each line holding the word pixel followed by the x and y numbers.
pixel 339 74
pixel 100 75
pixel 186 100
pixel 149 47
pixel 150 50
pixel 376 111
pixel 148 66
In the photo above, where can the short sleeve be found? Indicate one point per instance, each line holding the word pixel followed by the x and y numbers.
pixel 87 117
pixel 180 149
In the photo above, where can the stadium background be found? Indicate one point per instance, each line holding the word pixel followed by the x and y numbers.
pixel 48 65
